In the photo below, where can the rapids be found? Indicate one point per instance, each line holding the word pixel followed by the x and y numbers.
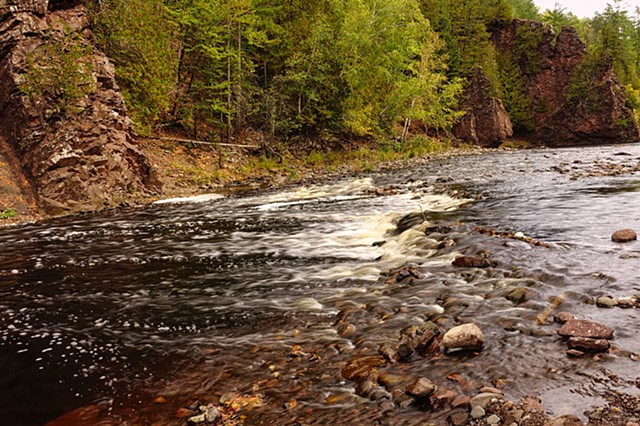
pixel 195 298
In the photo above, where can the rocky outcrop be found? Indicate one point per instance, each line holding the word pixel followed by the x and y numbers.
pixel 551 69
pixel 486 122
pixel 82 157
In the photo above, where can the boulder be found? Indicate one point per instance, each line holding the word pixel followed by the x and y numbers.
pixel 465 336
pixel 624 236
pixel 486 122
pixel 584 328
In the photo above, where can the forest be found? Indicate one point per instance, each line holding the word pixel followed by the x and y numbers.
pixel 356 68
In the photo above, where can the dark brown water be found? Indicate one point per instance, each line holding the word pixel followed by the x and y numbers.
pixel 194 300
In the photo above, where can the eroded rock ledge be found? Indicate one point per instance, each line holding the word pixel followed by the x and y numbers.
pixel 81 160
pixel 570 105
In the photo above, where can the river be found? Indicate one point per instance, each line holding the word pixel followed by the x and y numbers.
pixel 271 294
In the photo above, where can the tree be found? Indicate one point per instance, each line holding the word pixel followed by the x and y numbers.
pixel 525 9
pixel 138 37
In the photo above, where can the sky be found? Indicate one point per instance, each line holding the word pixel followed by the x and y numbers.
pixel 584 8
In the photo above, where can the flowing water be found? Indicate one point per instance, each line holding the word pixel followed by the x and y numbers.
pixel 272 294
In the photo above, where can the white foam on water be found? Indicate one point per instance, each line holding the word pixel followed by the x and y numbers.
pixel 195 199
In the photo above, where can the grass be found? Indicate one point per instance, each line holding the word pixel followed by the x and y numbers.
pixel 8 213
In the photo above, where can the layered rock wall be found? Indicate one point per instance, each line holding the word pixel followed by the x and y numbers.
pixel 486 122
pixel 80 158
pixel 549 67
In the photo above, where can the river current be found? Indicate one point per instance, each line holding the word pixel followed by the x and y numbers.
pixel 196 299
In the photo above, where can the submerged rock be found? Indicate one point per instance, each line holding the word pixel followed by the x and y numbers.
pixel 465 336
pixel 471 262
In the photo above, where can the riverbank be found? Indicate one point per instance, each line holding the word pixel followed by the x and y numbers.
pixel 190 170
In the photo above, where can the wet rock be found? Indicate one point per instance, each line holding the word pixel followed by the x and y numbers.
pixel 472 262
pixel 624 236
pixel 378 393
pixel 391 380
pixel 574 353
pixel 460 401
pixel 441 398
pixel 409 221
pixel 483 400
pixel 627 302
pixel 584 328
pixel 160 400
pixel 183 413
pixel 585 344
pixel 465 336
pixel 420 388
pixel 606 302
pixel 388 351
pixel 366 386
pixel 401 398
pixel 477 412
pixel 438 229
pixel 489 389
pixel 563 317
pixel 520 295
pixel 458 419
pixel 361 367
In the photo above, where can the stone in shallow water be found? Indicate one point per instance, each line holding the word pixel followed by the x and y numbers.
pixel 471 262
pixel 606 302
pixel 586 344
pixel 484 399
pixel 465 336
pixel 624 236
pixel 584 328
pixel 420 388
pixel 563 317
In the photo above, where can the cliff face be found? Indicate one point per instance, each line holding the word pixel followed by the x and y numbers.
pixel 486 122
pixel 549 67
pixel 78 153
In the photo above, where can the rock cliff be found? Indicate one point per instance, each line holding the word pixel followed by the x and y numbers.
pixel 74 144
pixel 551 68
pixel 486 122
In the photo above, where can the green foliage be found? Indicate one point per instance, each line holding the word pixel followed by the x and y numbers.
pixel 527 48
pixel 558 18
pixel 580 90
pixel 59 73
pixel 513 92
pixel 525 9
pixel 138 36
pixel 8 213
